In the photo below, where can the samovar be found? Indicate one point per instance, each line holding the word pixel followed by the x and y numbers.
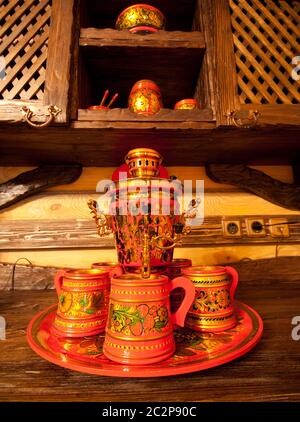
pixel 144 213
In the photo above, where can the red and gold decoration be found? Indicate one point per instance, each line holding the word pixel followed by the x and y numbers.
pixel 141 300
pixel 195 351
pixel 213 307
pixel 145 239
pixel 187 104
pixel 101 106
pixel 143 162
pixel 139 330
pixel 145 98
pixel 82 301
pixel 174 269
pixel 141 19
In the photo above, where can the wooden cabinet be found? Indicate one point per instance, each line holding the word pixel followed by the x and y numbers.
pixel 35 50
pixel 255 46
pixel 115 60
pixel 234 56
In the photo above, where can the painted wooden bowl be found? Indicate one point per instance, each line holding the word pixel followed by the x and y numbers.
pixel 138 17
pixel 187 104
pixel 98 107
pixel 145 98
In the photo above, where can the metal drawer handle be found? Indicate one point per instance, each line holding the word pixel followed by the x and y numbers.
pixel 243 122
pixel 28 114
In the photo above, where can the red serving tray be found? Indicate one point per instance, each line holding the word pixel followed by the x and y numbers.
pixel 194 351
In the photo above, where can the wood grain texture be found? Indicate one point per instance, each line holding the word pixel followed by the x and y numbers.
pixel 275 114
pixel 23 276
pixel 268 373
pixel 106 146
pixel 266 40
pixel 34 181
pixel 220 47
pixel 57 206
pixel 24 32
pixel 91 175
pixel 283 194
pixel 94 37
pixel 125 115
pixel 205 90
pixel 81 234
pixel 26 277
pixel 57 83
pixel 205 255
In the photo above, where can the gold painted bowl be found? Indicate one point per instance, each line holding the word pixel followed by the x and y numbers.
pixel 145 98
pixel 187 104
pixel 139 17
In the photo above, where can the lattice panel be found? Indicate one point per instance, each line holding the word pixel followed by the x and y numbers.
pixel 24 33
pixel 266 38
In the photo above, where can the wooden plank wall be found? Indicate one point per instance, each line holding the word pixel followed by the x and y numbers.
pixel 65 204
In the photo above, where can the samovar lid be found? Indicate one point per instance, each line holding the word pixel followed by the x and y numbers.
pixel 143 162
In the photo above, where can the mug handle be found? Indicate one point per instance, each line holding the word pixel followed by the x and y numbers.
pixel 58 281
pixel 178 317
pixel 235 280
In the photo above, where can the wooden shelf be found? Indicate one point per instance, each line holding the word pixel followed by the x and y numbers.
pixel 115 60
pixel 177 117
pixel 102 144
pixel 93 37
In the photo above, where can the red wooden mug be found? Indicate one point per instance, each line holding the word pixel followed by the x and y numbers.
pixel 140 325
pixel 83 297
pixel 213 307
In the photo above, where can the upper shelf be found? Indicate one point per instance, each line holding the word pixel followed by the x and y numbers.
pixel 115 60
pixel 93 37
pixel 103 14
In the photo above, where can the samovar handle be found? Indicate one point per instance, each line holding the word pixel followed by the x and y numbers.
pixel 103 222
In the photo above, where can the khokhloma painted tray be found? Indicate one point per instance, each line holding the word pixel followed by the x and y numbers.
pixel 194 351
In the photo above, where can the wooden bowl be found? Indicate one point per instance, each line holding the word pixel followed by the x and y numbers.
pixel 139 16
pixel 187 104
pixel 145 98
pixel 98 107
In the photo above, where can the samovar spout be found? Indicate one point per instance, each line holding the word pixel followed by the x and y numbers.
pixel 146 267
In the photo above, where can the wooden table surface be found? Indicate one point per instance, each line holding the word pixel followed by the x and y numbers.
pixel 270 372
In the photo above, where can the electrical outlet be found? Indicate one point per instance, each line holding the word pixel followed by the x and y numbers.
pixel 232 228
pixel 278 227
pixel 255 227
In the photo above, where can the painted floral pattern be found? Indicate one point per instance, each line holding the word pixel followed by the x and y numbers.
pixel 212 300
pixel 76 304
pixel 138 320
pixel 145 101
pixel 140 16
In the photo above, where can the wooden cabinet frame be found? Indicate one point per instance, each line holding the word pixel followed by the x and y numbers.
pixel 219 31
pixel 58 56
